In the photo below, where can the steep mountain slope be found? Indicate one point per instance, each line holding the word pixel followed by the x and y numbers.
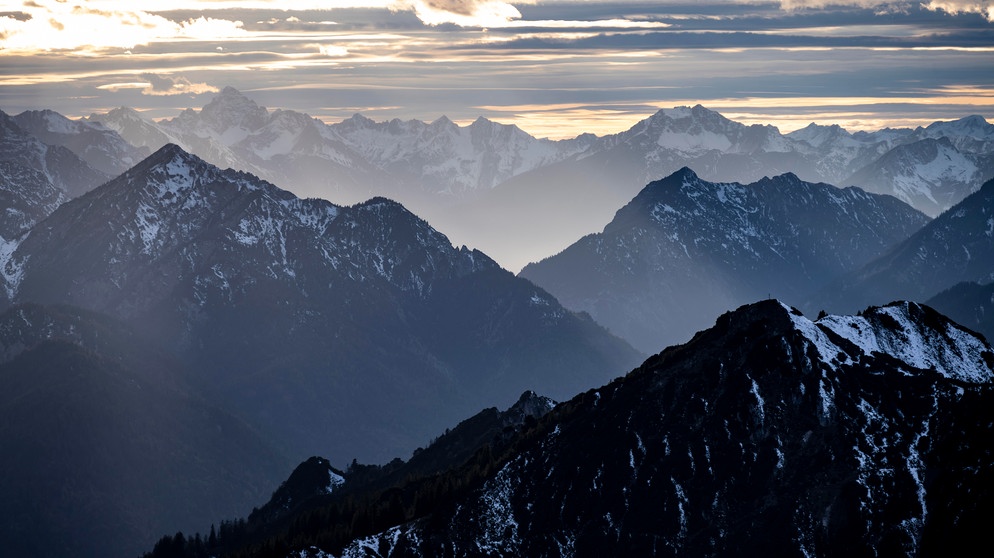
pixel 299 314
pixel 319 502
pixel 29 172
pixel 970 304
pixel 931 175
pixel 684 250
pixel 27 197
pixel 60 166
pixel 768 434
pixel 957 246
pixel 134 128
pixel 106 445
pixel 102 148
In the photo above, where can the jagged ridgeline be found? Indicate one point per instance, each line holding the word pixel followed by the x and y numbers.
pixel 768 434
pixel 520 198
pixel 684 250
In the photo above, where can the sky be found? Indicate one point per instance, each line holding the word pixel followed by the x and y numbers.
pixel 556 68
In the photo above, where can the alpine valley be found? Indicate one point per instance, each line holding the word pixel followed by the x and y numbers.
pixel 245 309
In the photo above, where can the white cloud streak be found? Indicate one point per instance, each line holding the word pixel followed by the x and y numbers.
pixel 162 86
pixel 954 7
pixel 464 13
pixel 53 25
pixel 951 7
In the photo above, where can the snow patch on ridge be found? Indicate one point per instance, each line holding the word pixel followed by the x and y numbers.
pixel 10 270
pixel 949 350
pixel 498 524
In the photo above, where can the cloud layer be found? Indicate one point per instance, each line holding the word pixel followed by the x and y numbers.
pixel 554 67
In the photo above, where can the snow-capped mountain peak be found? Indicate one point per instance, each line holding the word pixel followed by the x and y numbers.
pixel 51 120
pixel 819 136
pixel 443 123
pixel 973 126
pixel 231 109
pixel 173 173
pixel 695 131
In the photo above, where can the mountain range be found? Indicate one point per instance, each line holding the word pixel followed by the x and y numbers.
pixel 956 247
pixel 521 199
pixel 174 335
pixel 766 434
pixel 60 166
pixel 684 250
pixel 310 325
pixel 303 312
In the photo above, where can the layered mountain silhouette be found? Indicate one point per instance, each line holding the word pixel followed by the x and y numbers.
pixel 412 161
pixel 173 336
pixel 970 304
pixel 100 147
pixel 299 315
pixel 684 250
pixel 958 246
pixel 520 199
pixel 768 433
pixel 61 167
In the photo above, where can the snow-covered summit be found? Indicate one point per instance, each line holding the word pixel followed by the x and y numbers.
pixel 233 110
pixel 61 166
pixel 971 134
pixel 819 136
pixel 973 126
pixel 915 335
pixel 694 131
pixel 931 174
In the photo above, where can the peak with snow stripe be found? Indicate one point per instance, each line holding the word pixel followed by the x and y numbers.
pixel 61 166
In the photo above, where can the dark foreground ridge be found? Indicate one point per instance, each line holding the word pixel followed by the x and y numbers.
pixel 768 434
